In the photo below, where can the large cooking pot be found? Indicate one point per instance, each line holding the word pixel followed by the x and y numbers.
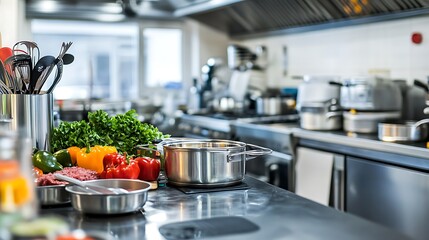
pixel 208 162
pixel 274 105
pixel 367 122
pixel 408 131
pixel 321 115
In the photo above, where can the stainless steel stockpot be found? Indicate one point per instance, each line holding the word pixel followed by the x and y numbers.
pixel 274 105
pixel 208 163
pixel 321 115
pixel 366 122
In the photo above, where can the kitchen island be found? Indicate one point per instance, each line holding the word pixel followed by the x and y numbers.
pixel 270 212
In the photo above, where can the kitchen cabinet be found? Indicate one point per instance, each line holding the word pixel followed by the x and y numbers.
pixel 394 196
pixel 391 189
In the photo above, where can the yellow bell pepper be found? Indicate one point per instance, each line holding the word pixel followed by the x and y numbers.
pixel 92 158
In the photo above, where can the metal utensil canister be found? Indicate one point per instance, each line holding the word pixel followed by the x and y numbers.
pixel 31 115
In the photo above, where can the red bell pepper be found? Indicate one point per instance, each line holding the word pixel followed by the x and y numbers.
pixel 149 168
pixel 119 166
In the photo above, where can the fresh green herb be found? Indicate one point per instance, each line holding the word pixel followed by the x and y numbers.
pixel 124 131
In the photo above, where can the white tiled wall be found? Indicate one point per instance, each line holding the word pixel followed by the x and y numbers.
pixel 13 26
pixel 384 47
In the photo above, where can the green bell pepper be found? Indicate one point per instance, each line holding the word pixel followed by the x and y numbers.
pixel 63 157
pixel 46 162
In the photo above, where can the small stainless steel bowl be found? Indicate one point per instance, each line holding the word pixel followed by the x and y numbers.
pixel 52 195
pixel 91 203
pixel 400 131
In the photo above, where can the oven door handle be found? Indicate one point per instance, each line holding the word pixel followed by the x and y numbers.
pixel 256 152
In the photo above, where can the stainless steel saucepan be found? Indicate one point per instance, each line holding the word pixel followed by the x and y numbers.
pixel 208 162
pixel 409 131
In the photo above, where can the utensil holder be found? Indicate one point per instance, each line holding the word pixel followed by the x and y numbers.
pixel 29 114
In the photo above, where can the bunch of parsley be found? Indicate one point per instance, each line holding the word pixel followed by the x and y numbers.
pixel 124 131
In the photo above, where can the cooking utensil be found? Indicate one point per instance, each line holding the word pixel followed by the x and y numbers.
pixel 5 53
pixel 90 188
pixel 20 68
pixel 41 65
pixel 58 62
pixel 23 69
pixel 68 58
pixel 52 195
pixel 58 76
pixel 4 79
pixel 132 201
pixel 208 163
pixel 64 48
pixel 29 48
pixel 408 131
pixel 45 75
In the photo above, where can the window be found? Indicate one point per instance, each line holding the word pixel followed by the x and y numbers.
pixel 114 61
pixel 163 54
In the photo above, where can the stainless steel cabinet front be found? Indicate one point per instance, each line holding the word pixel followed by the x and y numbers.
pixel 392 196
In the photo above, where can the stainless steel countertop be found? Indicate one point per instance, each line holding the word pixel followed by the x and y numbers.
pixel 364 141
pixel 279 214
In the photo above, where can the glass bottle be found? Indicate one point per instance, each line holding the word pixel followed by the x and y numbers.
pixel 17 187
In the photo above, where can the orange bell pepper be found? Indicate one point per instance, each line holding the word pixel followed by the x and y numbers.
pixel 73 153
pixel 92 157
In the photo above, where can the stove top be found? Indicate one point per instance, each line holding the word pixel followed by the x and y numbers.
pixel 248 116
pixel 191 190
pixel 221 122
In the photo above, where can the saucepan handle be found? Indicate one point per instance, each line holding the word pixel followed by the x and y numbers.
pixel 157 144
pixel 153 151
pixel 250 154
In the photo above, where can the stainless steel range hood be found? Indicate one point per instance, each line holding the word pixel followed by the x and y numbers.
pixel 252 18
pixel 238 18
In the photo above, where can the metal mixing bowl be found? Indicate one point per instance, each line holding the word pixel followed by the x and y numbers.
pixel 91 203
pixel 52 195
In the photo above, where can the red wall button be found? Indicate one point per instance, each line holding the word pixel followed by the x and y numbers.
pixel 417 38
